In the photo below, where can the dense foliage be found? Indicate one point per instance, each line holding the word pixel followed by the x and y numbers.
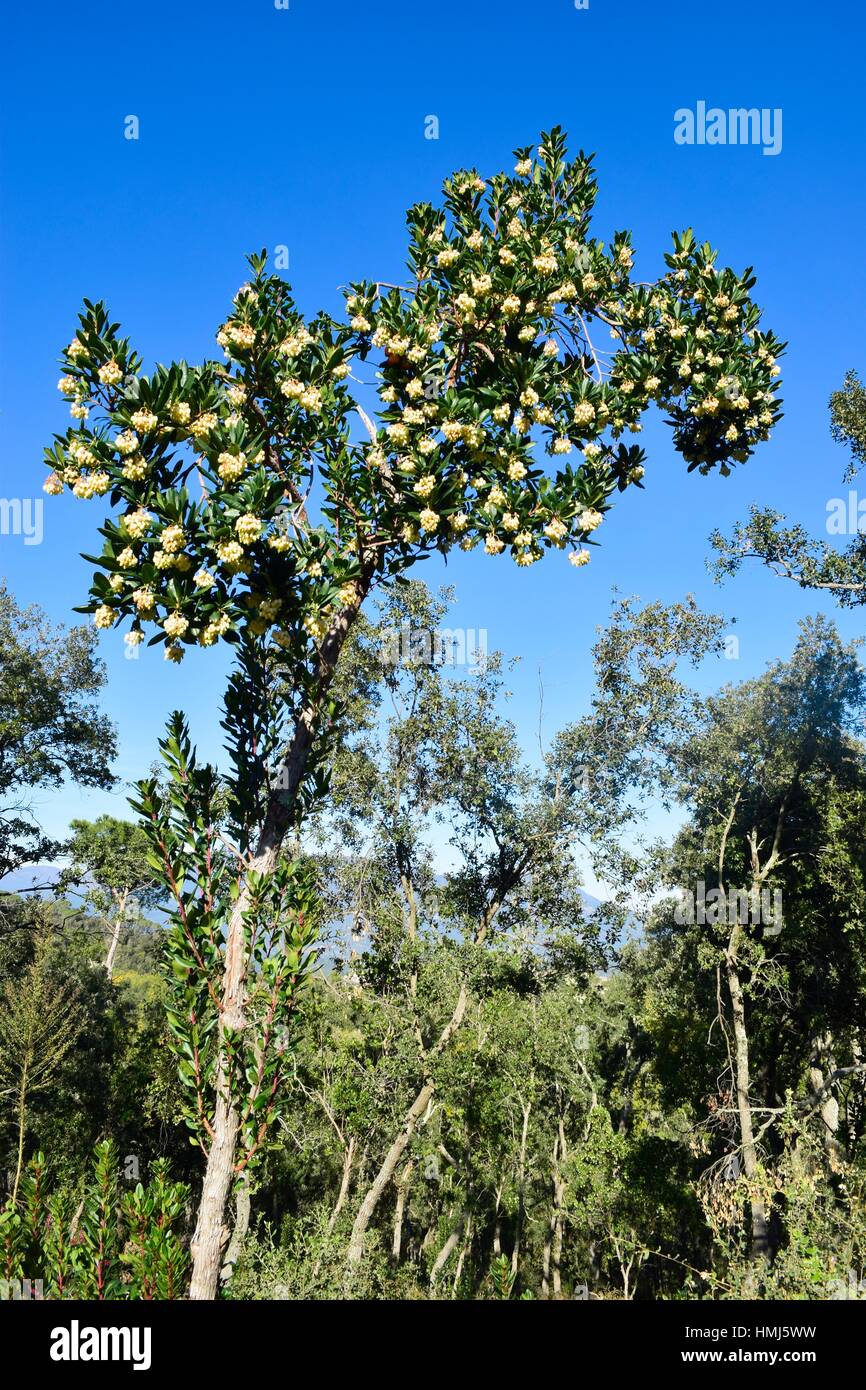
pixel 495 1087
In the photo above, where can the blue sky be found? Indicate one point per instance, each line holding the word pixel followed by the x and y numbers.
pixel 306 127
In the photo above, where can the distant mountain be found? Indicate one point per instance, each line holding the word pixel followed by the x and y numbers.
pixel 30 877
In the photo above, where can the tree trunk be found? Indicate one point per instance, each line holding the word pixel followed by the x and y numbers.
pixel 557 1255
pixel 447 1250
pixel 399 1208
pixel 22 1122
pixel 425 1095
pixel 760 1227
pixel 411 923
pixel 552 1259
pixel 210 1233
pixel 545 1260
pixel 464 1247
pixel 497 1226
pixel 241 1226
pixel 344 1184
pixel 829 1105
pixel 374 1193
pixel 760 1244
pixel 115 938
pixel 368 1206
pixel 119 912
pixel 521 1191
pixel 348 1159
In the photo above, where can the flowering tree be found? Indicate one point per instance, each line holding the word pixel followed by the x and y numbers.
pixel 246 510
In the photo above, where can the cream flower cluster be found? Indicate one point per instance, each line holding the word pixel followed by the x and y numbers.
pixel 110 373
pixel 230 466
pixel 144 420
pixel 91 485
pixel 249 529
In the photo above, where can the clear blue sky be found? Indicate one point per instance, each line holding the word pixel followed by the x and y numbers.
pixel 305 127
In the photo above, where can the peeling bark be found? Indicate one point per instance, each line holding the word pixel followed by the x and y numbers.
pixel 211 1234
